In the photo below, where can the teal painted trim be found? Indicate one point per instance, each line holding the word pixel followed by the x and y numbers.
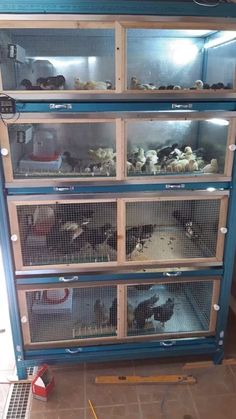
pixel 147 276
pixel 150 105
pixel 9 274
pixel 135 7
pixel 229 255
pixel 117 188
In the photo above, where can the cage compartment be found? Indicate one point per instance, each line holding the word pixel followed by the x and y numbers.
pixel 175 308
pixel 178 230
pixel 58 59
pixel 188 147
pixel 63 233
pixel 85 150
pixel 69 314
pixel 180 60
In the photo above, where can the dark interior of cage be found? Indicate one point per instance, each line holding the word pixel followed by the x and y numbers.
pixel 72 313
pixel 60 59
pixel 83 59
pixel 169 308
pixel 63 150
pixel 67 233
pixel 176 147
pixel 171 230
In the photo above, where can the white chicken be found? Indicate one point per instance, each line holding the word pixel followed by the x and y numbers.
pixel 151 161
pixel 91 85
pixel 102 155
pixel 198 84
pixel 212 167
pixel 136 85
pixel 188 154
pixel 192 166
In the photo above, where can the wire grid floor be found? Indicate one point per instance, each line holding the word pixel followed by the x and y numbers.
pixel 18 403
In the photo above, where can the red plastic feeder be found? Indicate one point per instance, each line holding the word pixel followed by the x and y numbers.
pixel 43 384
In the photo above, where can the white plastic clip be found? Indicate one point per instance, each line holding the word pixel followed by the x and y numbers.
pixel 223 230
pixel 14 238
pixel 232 147
pixel 216 307
pixel 24 319
pixel 4 152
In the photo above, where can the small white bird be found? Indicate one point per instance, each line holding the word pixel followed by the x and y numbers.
pixel 212 167
pixel 198 84
pixel 192 166
pixel 136 85
pixel 177 87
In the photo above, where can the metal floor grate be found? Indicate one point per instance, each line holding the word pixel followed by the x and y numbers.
pixel 18 401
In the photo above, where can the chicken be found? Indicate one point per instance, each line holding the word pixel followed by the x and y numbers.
pixel 212 167
pixel 28 85
pixel 100 313
pixel 79 85
pixel 198 85
pixel 52 83
pixel 177 87
pixel 73 162
pixel 92 85
pixel 188 154
pixel 137 158
pixel 144 310
pixel 66 238
pixel 164 312
pixel 132 242
pixel 192 229
pixel 97 236
pixel 113 313
pixel 192 166
pixel 136 85
pixel 164 152
pixel 102 155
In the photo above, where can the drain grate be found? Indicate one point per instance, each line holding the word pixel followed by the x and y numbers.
pixel 18 401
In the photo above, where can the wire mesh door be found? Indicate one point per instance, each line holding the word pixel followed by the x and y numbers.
pixel 63 233
pixel 180 308
pixel 169 230
pixel 62 315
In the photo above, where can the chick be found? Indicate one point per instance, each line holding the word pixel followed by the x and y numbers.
pixel 71 161
pixel 136 85
pixel 164 152
pixel 188 154
pixel 79 85
pixel 95 85
pixel 144 310
pixel 177 87
pixel 192 166
pixel 212 167
pixel 137 158
pixel 164 312
pixel 100 313
pixel 198 85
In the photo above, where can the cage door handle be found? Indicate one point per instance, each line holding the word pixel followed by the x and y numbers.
pixel 73 351
pixel 169 274
pixel 166 344
pixel 60 106
pixel 73 278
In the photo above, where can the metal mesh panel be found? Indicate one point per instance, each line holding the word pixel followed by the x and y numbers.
pixel 63 150
pixel 172 229
pixel 72 313
pixel 169 308
pixel 18 403
pixel 66 233
pixel 84 54
pixel 175 147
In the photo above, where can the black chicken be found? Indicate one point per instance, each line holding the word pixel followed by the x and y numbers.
pixel 164 312
pixel 132 242
pixel 192 229
pixel 51 83
pixel 144 310
pixel 73 162
pixel 98 235
pixel 164 152
pixel 113 313
pixel 66 238
pixel 29 86
pixel 79 213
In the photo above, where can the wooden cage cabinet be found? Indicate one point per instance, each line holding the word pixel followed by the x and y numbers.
pixel 117 181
